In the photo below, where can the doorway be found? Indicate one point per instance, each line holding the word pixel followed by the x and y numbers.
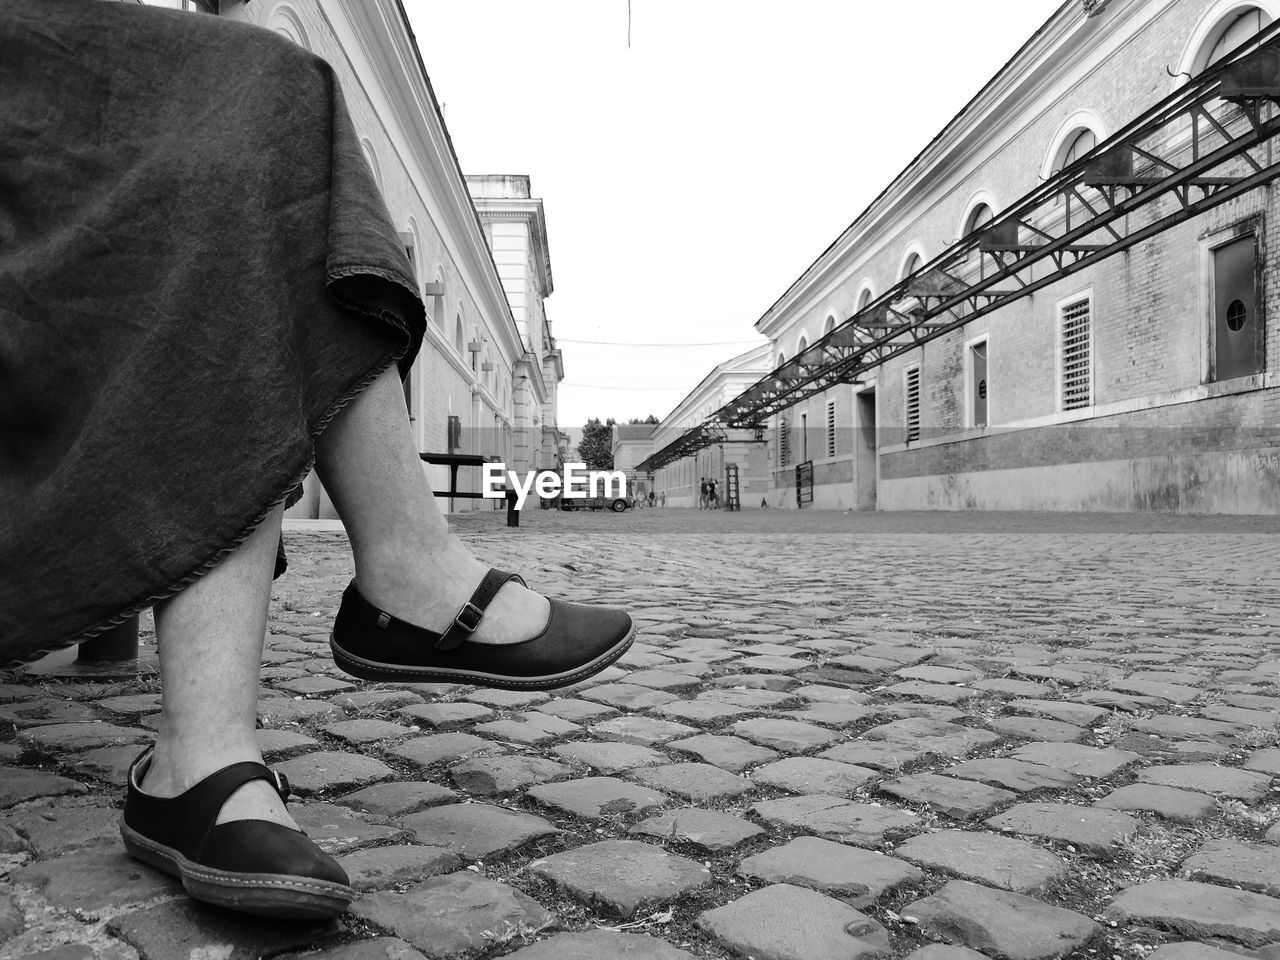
pixel 866 452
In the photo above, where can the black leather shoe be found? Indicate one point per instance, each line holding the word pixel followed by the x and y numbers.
pixel 253 866
pixel 578 642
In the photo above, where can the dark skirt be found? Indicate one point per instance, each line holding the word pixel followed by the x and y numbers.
pixel 196 273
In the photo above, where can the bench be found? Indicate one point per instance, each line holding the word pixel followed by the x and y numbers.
pixel 455 460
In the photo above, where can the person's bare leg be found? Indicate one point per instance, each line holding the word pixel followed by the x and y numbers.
pixel 407 561
pixel 210 640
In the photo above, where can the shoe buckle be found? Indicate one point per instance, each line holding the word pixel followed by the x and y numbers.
pixel 282 784
pixel 468 617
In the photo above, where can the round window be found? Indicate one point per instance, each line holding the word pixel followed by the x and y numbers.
pixel 1236 315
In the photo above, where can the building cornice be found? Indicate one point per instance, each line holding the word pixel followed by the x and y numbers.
pixel 1066 48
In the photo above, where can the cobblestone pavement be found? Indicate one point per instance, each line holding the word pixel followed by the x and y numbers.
pixel 837 736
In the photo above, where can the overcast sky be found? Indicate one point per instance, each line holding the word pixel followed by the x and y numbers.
pixel 688 179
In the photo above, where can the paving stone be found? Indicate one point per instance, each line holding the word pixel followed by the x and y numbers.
pixel 609 757
pixel 789 736
pixel 331 770
pixel 380 948
pixel 444 714
pixel 595 797
pixel 729 753
pixel 700 711
pixel 930 692
pixel 1039 728
pixel 382 867
pixel 456 913
pixel 1187 728
pixel 1264 761
pixel 1090 830
pixel 575 711
pixel 397 798
pixel 989 858
pixel 1077 758
pixel 110 764
pixel 600 945
pixel 1080 714
pixel 1250 866
pixel 375 699
pixel 283 710
pixel 1119 701
pixel 832 714
pixel 933 736
pixel 825 693
pixel 441 747
pixel 314 686
pixel 18 785
pixel 1261 719
pixel 699 782
pixel 132 704
pixel 1246 785
pixel 45 710
pixel 942 951
pixel 73 737
pixel 278 743
pixel 857 876
pixel 1012 688
pixel 188 928
pixel 622 875
pixel 662 679
pixel 749 699
pixel 813 775
pixel 11 922
pixel 709 829
pixel 1001 923
pixel 962 799
pixel 936 674
pixel 529 728
pixel 477 830
pixel 1172 692
pixel 1200 910
pixel 94 880
pixel 1167 802
pixel 361 732
pixel 490 775
pixel 785 922
pixel 508 699
pixel 52 829
pixel 646 731
pixel 1192 951
pixel 880 755
pixel 1016 775
pixel 628 696
pixel 773 664
pixel 862 824
pixel 337 830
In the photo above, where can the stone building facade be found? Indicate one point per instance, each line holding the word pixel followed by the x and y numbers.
pixel 1123 386
pixel 484 381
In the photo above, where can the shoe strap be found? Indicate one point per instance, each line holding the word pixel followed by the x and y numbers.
pixel 472 612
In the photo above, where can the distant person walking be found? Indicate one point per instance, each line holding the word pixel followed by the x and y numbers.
pixel 704 494
pixel 713 498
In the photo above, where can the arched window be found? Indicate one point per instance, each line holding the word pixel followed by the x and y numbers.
pixel 829 325
pixel 802 345
pixel 457 335
pixel 366 145
pixel 979 217
pixel 1079 143
pixel 284 20
pixel 1233 30
pixel 911 265
pixel 865 298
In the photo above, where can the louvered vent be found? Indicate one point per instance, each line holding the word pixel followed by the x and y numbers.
pixel 1077 377
pixel 913 404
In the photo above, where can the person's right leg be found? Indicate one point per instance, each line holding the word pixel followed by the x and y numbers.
pixel 406 559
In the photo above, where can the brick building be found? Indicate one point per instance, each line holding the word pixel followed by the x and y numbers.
pixel 485 380
pixel 1143 379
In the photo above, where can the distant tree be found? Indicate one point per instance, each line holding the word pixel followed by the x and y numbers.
pixel 649 419
pixel 596 445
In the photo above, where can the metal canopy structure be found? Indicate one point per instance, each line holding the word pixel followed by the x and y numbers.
pixel 1207 143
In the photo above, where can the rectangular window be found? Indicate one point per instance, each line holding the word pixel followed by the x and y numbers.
pixel 1077 354
pixel 831 428
pixel 976 377
pixel 913 403
pixel 784 443
pixel 1237 330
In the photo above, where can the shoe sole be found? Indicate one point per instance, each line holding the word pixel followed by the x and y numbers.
pixel 391 672
pixel 265 894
